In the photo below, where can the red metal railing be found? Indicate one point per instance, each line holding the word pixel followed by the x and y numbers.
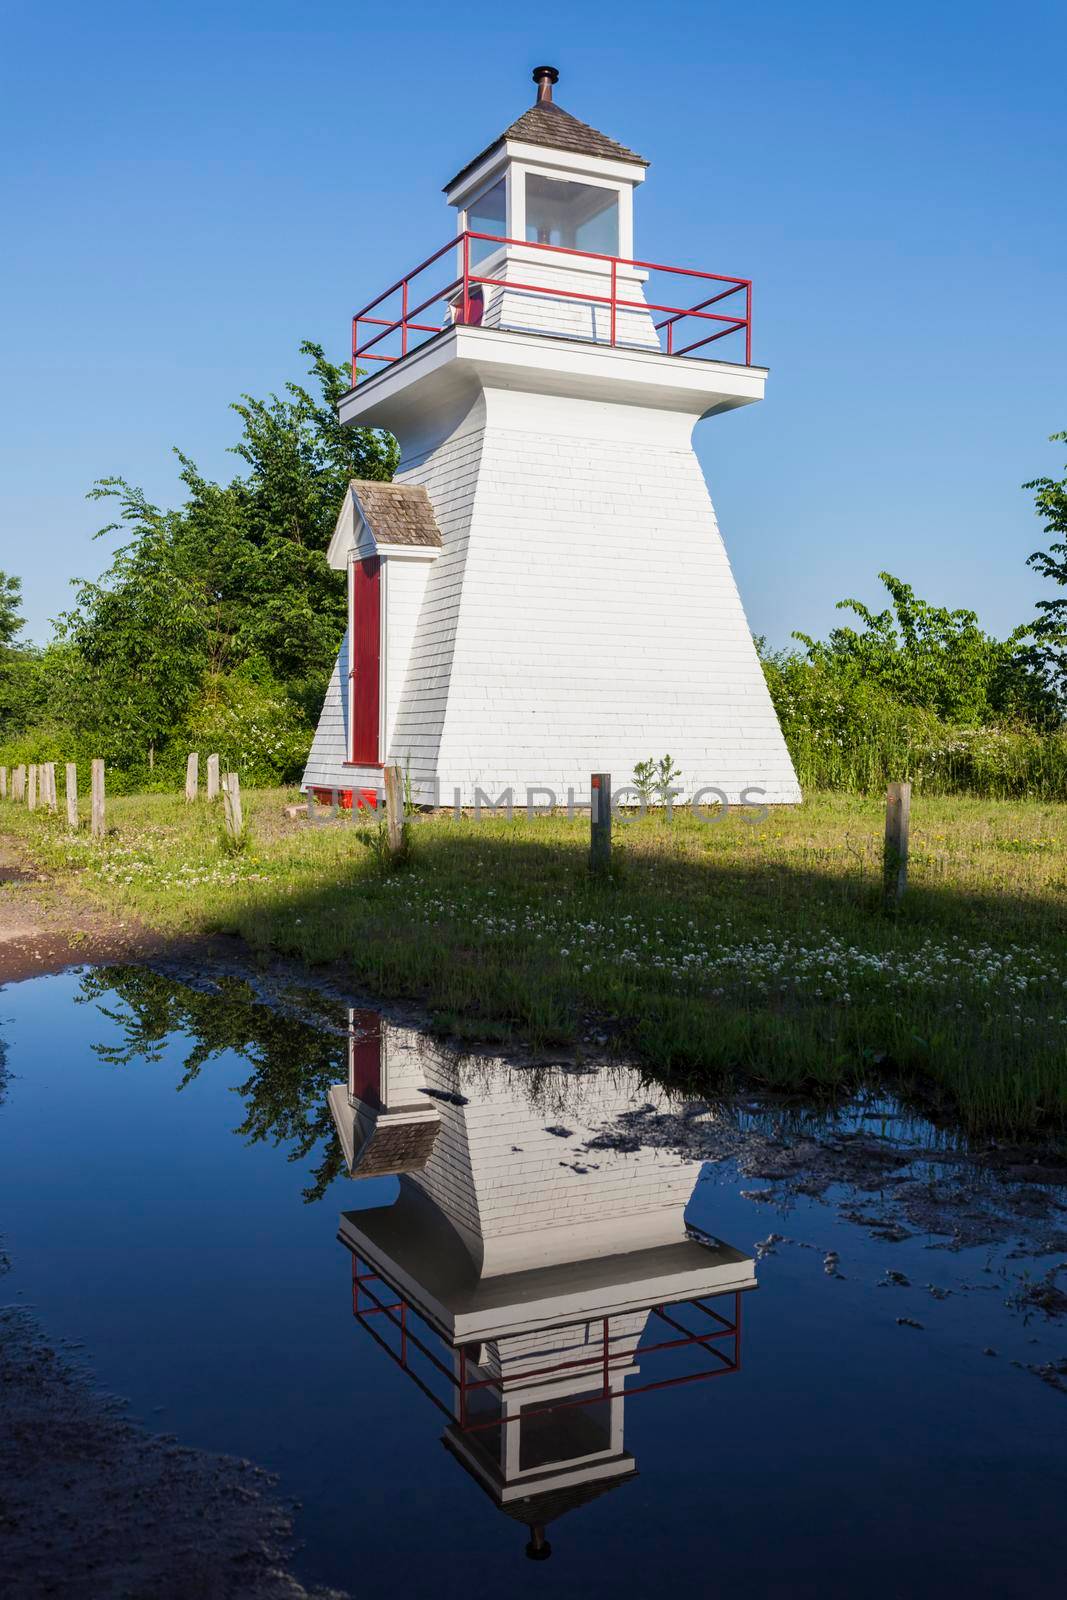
pixel 600 1365
pixel 462 298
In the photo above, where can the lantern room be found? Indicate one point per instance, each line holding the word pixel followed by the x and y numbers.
pixel 550 183
pixel 549 179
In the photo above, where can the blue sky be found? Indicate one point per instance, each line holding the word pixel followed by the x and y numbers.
pixel 188 190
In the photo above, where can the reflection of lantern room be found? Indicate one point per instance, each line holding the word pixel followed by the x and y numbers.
pixel 539 1417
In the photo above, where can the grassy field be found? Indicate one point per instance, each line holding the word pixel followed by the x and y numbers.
pixel 720 954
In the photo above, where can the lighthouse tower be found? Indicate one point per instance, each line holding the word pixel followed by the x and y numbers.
pixel 544 591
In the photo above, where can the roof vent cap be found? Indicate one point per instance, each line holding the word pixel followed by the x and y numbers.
pixel 544 77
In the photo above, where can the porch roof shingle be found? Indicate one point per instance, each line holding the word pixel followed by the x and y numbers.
pixel 397 513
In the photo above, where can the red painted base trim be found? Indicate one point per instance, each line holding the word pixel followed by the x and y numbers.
pixel 361 799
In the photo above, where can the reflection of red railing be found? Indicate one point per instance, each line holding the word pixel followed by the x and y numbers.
pixel 601 1366
pixel 460 296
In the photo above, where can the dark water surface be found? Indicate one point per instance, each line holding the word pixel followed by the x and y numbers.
pixel 170 1190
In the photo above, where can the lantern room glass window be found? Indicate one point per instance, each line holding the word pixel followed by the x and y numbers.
pixel 488 214
pixel 579 216
pixel 550 1437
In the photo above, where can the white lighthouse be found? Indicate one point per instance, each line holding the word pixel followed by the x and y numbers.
pixel 544 590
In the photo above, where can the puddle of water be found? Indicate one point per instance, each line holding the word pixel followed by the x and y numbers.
pixel 174 1174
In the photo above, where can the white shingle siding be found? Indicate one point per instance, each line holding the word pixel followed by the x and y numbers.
pixel 582 615
pixel 579 318
pixel 329 748
pixel 525 1207
pixel 450 474
pixel 405 586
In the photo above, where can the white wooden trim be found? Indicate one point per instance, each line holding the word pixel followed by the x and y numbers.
pixel 336 550
pixel 574 163
pixel 409 552
pixel 383 652
pixel 516 201
pixel 513 150
pixel 475 183
pixel 436 377
pixel 350 732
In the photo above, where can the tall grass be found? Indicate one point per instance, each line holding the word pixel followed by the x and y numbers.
pixel 997 763
pixel 856 738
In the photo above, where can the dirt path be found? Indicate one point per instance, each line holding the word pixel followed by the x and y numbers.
pixel 44 928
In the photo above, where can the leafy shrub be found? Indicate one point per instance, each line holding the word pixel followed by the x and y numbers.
pixel 933 659
pixel 255 728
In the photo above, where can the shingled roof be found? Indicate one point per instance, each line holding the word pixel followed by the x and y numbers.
pixel 397 513
pixel 546 123
pixel 394 1147
pixel 541 1508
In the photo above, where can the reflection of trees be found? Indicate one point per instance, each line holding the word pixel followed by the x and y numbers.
pixel 294 1059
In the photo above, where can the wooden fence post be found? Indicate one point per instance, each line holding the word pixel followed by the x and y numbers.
pixel 31 787
pixel 895 859
pixel 53 798
pixel 18 783
pixel 231 800
pixel 98 800
pixel 212 777
pixel 192 775
pixel 600 821
pixel 72 796
pixel 3 783
pixel 394 810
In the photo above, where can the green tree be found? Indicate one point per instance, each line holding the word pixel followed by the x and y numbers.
pixel 1049 651
pixel 21 685
pixel 10 606
pixel 140 635
pixel 233 585
pixel 934 659
pixel 294 1054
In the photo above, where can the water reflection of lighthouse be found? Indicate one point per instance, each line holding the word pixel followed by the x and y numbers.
pixel 535 1270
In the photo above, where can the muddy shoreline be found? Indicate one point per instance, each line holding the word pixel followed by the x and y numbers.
pixel 44 930
pixel 93 1504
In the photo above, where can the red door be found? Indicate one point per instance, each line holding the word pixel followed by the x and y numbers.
pixel 366 644
pixel 365 1059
